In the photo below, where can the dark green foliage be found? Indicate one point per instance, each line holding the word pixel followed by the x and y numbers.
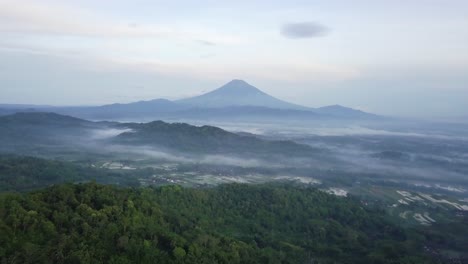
pixel 19 173
pixel 91 223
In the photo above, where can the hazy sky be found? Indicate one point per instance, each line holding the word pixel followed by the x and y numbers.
pixel 407 57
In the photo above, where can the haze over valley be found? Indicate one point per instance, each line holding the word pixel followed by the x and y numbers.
pixel 238 134
pixel 304 132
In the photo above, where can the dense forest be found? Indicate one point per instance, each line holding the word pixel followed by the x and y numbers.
pixel 92 223
pixel 20 173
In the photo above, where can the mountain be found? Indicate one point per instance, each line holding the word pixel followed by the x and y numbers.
pixel 245 113
pixel 235 101
pixel 11 110
pixel 4 111
pixel 204 139
pixel 41 119
pixel 237 93
pixel 343 112
pixel 152 108
pixel 23 106
pixel 159 105
pixel 53 132
pixel 25 133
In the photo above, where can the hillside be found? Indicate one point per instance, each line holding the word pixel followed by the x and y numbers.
pixel 33 130
pixel 49 131
pixel 147 109
pixel 19 173
pixel 41 119
pixel 204 139
pixel 344 112
pixel 229 224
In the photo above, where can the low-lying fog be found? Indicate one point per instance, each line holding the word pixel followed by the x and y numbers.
pixel 398 153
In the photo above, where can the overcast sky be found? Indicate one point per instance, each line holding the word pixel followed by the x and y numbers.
pixel 399 57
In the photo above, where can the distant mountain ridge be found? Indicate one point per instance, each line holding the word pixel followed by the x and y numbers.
pixel 338 110
pixel 235 100
pixel 41 118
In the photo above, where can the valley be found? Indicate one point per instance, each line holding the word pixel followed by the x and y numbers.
pixel 243 132
pixel 416 178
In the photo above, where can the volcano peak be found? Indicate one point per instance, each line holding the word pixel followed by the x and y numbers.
pixel 237 93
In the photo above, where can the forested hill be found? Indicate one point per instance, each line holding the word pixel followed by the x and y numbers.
pixel 91 223
pixel 19 174
pixel 205 139
pixel 43 131
pixel 42 118
pixel 48 132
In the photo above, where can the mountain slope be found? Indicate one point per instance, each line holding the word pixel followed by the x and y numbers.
pixel 204 139
pixel 49 131
pixel 343 112
pixel 23 173
pixel 91 223
pixel 41 119
pixel 244 113
pixel 235 100
pixel 23 132
pixel 152 108
pixel 237 93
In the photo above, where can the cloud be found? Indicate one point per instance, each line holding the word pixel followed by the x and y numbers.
pixel 304 30
pixel 46 19
pixel 155 153
pixel 265 70
pixel 206 43
pixel 99 134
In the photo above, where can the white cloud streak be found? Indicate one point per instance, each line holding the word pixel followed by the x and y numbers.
pixel 30 17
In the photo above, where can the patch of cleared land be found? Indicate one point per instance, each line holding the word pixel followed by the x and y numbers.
pixel 421 197
pixel 443 201
pixel 337 192
pixel 421 219
pixel 450 188
pixel 116 166
pixel 306 180
pixel 404 214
